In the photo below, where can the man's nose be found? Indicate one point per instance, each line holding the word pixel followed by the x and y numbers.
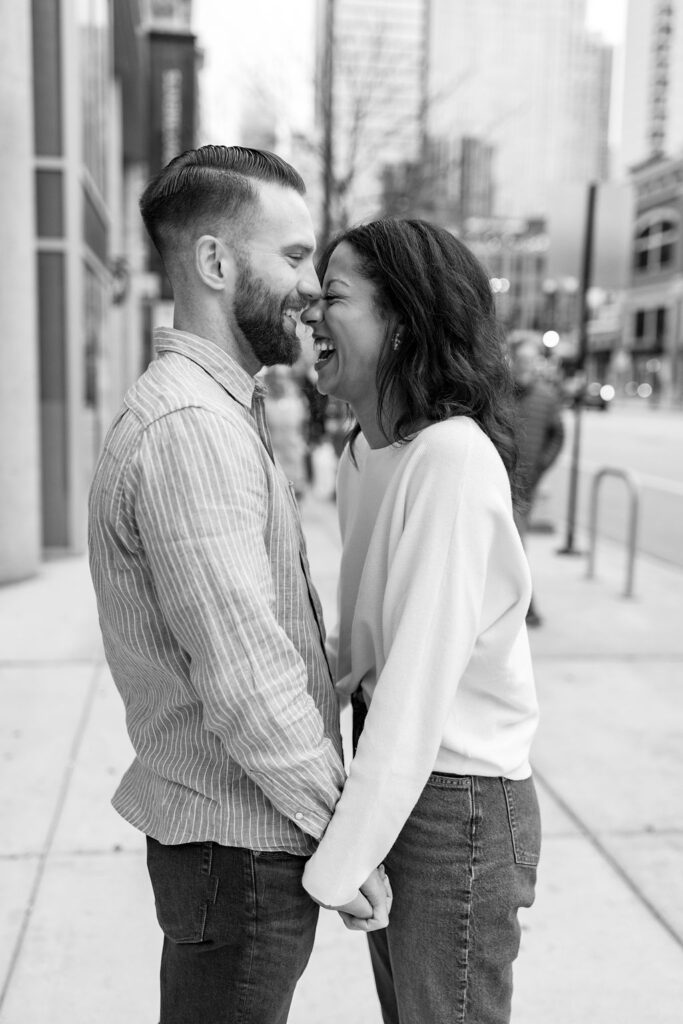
pixel 309 286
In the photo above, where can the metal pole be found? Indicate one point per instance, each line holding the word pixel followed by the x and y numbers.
pixel 586 273
pixel 327 96
pixel 633 488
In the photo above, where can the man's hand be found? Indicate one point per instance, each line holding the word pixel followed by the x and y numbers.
pixel 369 911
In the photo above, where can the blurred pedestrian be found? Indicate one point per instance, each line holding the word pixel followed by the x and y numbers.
pixel 315 418
pixel 431 643
pixel 539 433
pixel 287 421
pixel 211 625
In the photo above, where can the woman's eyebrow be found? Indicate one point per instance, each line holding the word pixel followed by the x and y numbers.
pixel 336 280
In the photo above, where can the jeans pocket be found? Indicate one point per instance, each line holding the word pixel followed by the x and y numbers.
pixel 524 819
pixel 293 860
pixel 183 888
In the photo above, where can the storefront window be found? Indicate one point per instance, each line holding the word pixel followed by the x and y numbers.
pixel 656 238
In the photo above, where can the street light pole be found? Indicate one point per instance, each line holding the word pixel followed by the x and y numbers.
pixel 582 353
pixel 328 122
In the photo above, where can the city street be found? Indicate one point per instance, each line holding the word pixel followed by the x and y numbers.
pixel 646 441
pixel 78 939
pixel 154 162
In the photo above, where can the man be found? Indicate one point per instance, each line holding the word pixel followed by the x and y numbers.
pixel 211 625
pixel 539 433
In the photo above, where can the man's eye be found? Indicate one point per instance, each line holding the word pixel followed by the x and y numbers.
pixel 296 257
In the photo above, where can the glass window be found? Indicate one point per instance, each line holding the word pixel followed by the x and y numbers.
pixel 640 323
pixel 660 328
pixel 53 398
pixel 49 204
pixel 47 91
pixel 655 242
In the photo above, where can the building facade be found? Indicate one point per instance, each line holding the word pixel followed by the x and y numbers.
pixel 515 253
pixel 76 286
pixel 531 82
pixel 450 182
pixel 652 111
pixel 651 351
pixel 653 314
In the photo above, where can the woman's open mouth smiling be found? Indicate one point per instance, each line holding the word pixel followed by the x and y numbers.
pixel 324 350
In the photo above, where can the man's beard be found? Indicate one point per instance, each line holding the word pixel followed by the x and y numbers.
pixel 260 316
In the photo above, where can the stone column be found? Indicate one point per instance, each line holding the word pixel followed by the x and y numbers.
pixel 19 449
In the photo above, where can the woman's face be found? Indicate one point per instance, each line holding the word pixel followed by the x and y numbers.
pixel 348 332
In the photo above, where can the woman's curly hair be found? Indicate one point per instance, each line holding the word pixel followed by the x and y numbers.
pixel 451 358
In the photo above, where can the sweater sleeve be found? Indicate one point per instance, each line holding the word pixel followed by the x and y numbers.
pixel 440 537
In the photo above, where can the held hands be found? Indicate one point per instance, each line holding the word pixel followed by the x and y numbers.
pixel 369 910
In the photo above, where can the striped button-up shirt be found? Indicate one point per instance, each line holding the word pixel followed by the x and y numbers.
pixel 211 625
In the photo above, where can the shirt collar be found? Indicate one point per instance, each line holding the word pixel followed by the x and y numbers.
pixel 225 370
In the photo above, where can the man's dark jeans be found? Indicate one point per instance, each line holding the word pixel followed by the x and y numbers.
pixel 238 931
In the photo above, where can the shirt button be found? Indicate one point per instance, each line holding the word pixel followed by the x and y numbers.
pixel 298 816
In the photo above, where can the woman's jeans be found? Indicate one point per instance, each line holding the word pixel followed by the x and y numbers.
pixel 238 931
pixel 463 864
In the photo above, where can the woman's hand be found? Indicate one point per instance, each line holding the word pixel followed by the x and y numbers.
pixel 369 911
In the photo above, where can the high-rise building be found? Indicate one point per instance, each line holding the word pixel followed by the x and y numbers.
pixel 652 109
pixel 528 79
pixel 378 79
pixel 449 183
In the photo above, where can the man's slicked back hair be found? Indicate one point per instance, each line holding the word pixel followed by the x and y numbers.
pixel 204 188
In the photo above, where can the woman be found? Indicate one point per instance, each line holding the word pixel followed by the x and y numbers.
pixel 434 589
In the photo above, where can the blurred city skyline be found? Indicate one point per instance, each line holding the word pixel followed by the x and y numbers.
pixel 272 45
pixel 489 118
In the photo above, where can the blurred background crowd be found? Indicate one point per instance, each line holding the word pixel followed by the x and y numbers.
pixel 548 134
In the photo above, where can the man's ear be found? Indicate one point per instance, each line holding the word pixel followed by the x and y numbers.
pixel 214 262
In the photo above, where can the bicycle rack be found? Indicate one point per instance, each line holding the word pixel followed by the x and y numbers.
pixel 634 506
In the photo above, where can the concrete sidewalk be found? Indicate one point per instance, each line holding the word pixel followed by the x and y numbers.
pixel 604 943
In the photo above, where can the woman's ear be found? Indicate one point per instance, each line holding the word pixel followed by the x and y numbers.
pixel 214 263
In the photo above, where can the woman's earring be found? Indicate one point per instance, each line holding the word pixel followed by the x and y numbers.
pixel 396 341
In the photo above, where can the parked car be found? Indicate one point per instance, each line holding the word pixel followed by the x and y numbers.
pixel 598 396
pixel 595 395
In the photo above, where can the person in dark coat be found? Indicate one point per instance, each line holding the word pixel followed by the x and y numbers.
pixel 539 433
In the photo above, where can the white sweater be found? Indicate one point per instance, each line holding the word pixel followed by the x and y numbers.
pixel 433 593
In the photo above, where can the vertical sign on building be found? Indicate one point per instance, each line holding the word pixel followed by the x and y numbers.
pixel 173 104
pixel 660 76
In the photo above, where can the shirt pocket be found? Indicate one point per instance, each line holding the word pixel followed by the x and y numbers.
pixel 524 819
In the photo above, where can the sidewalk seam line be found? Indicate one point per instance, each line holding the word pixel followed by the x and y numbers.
pixel 50 835
pixel 609 858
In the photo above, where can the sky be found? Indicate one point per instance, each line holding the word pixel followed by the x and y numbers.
pixel 262 45
pixel 267 46
pixel 607 17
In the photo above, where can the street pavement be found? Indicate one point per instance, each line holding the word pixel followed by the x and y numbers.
pixel 604 942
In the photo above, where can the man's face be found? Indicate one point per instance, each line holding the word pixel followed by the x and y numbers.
pixel 276 278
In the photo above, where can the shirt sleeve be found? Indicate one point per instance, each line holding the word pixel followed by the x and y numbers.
pixel 201 509
pixel 439 547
